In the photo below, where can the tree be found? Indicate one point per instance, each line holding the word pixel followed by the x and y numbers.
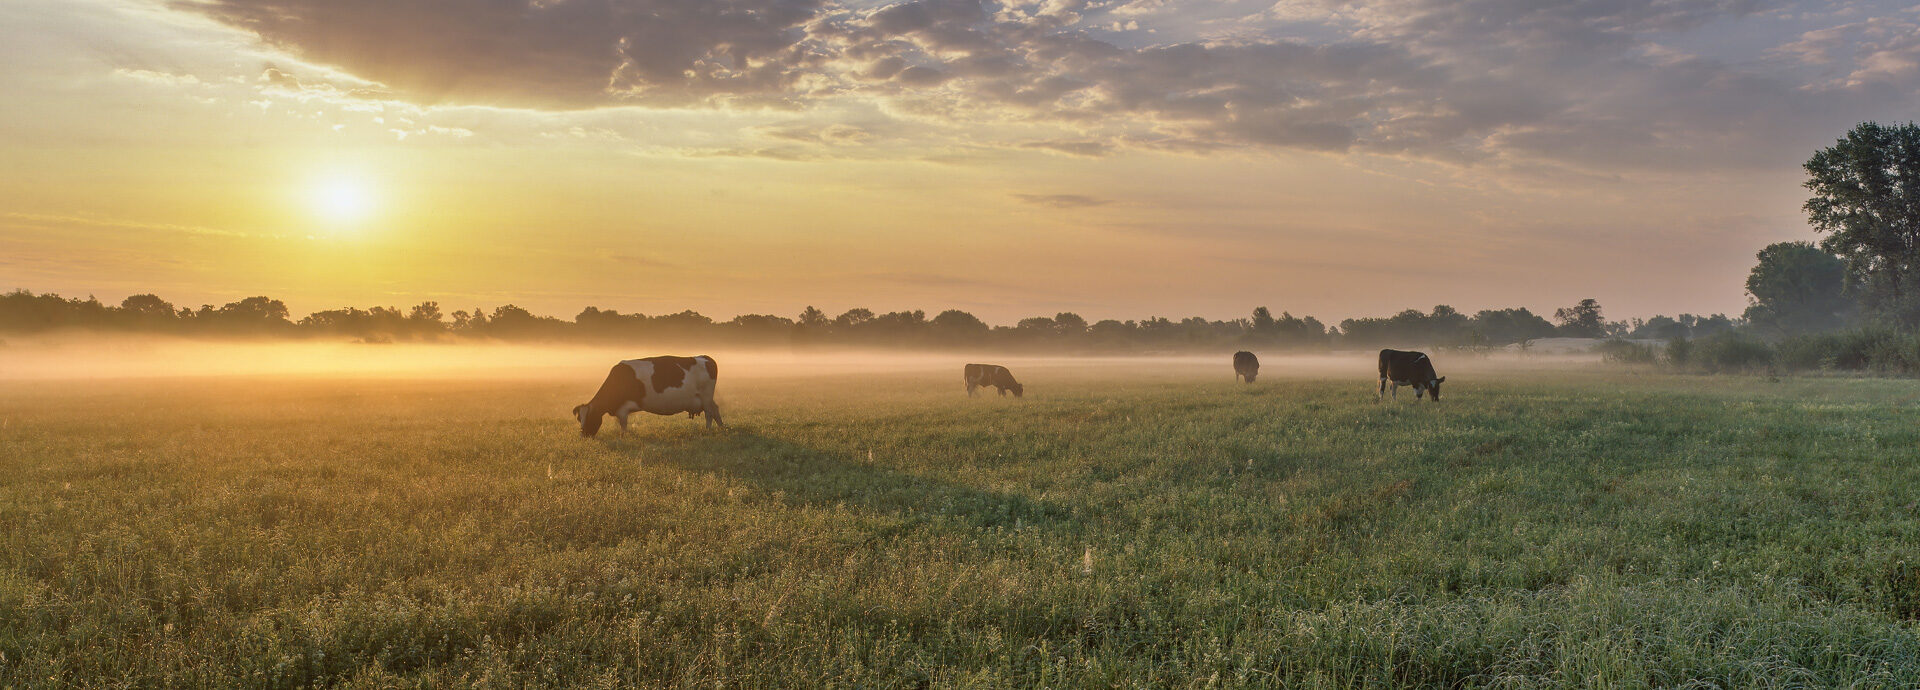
pixel 955 326
pixel 426 312
pixel 853 317
pixel 1070 324
pixel 1262 320
pixel 812 317
pixel 1797 288
pixel 1866 196
pixel 1582 320
pixel 1036 325
pixel 147 311
pixel 1504 326
pixel 148 305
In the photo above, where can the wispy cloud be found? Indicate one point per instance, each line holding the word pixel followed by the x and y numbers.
pixel 68 221
pixel 1062 200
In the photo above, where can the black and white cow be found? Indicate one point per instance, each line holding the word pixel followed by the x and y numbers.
pixel 661 385
pixel 1245 365
pixel 1408 369
pixel 983 375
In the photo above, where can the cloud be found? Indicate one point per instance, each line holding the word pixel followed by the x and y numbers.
pixel 541 53
pixel 1089 149
pixel 1062 200
pixel 73 222
pixel 1517 85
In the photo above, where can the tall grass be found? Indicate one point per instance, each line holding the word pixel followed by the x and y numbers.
pixel 1164 527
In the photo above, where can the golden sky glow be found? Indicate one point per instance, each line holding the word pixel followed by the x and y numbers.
pixel 1117 159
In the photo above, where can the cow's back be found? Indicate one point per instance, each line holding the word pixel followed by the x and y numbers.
pixel 1400 365
pixel 675 384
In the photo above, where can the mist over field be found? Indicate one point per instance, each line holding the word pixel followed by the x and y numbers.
pixel 111 356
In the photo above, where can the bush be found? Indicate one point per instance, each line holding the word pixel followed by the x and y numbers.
pixel 1866 349
pixel 1626 351
pixel 1679 351
pixel 1731 351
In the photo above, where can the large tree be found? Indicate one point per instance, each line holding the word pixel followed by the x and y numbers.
pixel 1797 288
pixel 1582 320
pixel 1866 196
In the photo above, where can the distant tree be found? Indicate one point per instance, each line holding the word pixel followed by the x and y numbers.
pixel 1036 326
pixel 257 309
pixel 425 313
pixel 148 311
pixel 1866 195
pixel 683 324
pixel 812 317
pixel 254 315
pixel 1263 322
pixel 1797 288
pixel 1582 320
pixel 1703 326
pixel 1069 324
pixel 853 317
pixel 147 305
pixel 1446 325
pixel 957 327
pixel 761 328
pixel 1507 326
pixel 1658 328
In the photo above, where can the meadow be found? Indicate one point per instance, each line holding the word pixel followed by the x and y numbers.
pixel 1137 524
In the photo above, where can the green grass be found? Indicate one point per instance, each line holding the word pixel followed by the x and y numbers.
pixel 1171 529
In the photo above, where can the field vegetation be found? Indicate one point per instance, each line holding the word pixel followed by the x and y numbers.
pixel 1150 523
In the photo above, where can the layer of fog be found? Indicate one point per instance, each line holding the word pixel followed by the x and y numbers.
pixel 96 357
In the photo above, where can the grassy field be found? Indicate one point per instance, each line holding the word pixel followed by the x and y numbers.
pixel 1146 525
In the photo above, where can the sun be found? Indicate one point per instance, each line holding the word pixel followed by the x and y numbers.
pixel 341 200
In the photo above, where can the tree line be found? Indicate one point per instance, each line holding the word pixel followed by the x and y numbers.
pixel 22 312
pixel 1848 302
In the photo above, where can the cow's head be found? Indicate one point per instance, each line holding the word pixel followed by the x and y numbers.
pixel 1433 388
pixel 1018 390
pixel 1252 373
pixel 589 420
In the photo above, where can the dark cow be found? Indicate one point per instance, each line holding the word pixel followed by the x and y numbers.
pixel 1408 369
pixel 983 375
pixel 1245 365
pixel 661 385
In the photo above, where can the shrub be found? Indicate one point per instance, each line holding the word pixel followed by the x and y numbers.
pixel 1866 349
pixel 1625 351
pixel 1729 351
pixel 1679 351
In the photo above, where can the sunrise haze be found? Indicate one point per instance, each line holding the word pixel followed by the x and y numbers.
pixel 1115 159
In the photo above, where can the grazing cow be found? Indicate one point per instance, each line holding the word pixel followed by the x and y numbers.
pixel 1245 365
pixel 1408 369
pixel 983 375
pixel 661 385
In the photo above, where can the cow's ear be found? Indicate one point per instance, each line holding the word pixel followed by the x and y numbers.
pixel 577 409
pixel 1442 379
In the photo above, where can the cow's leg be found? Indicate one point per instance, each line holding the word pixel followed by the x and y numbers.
pixel 1383 390
pixel 620 413
pixel 713 415
pixel 971 393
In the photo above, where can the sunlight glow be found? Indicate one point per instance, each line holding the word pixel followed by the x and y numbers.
pixel 342 200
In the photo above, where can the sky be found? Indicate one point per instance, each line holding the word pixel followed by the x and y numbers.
pixel 1117 159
